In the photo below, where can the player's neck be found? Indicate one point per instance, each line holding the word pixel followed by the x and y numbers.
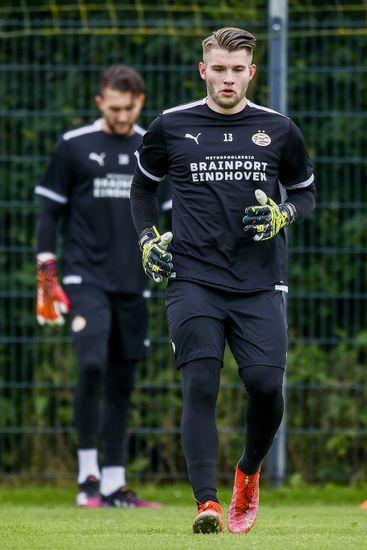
pixel 226 111
pixel 107 129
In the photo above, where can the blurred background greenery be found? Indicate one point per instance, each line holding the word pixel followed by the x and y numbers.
pixel 50 58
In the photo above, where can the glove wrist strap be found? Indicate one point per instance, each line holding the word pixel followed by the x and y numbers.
pixel 148 235
pixel 290 210
pixel 45 257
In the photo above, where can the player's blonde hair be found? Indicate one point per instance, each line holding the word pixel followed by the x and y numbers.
pixel 230 39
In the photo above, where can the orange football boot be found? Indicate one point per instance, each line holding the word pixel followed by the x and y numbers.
pixel 209 518
pixel 244 503
pixel 363 506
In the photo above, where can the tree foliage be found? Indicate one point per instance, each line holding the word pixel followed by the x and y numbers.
pixel 49 81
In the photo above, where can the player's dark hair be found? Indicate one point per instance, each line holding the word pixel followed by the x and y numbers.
pixel 230 39
pixel 122 78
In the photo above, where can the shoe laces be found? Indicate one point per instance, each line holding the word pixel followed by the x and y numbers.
pixel 91 481
pixel 251 487
pixel 128 493
pixel 246 492
pixel 209 505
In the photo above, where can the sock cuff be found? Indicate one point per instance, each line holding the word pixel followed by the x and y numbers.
pixel 201 464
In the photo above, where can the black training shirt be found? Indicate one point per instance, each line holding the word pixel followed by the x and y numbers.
pixel 90 173
pixel 216 162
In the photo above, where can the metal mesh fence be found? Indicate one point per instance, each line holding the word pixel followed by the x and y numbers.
pixel 50 58
pixel 326 430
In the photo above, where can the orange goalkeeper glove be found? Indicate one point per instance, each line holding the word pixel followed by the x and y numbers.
pixel 52 302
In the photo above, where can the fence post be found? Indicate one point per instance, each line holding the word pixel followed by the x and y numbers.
pixel 278 22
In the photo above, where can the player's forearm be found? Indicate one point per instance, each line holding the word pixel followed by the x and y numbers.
pixel 144 204
pixel 46 228
pixel 304 201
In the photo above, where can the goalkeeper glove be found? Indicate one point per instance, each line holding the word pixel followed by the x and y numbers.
pixel 157 262
pixel 52 301
pixel 265 221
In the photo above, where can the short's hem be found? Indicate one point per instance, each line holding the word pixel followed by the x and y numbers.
pixel 223 288
pixel 261 364
pixel 195 357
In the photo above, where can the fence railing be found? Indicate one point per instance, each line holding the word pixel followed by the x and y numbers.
pixel 50 59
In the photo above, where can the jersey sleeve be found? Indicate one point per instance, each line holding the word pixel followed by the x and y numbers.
pixel 152 156
pixel 152 168
pixel 296 170
pixel 164 195
pixel 57 180
pixel 46 227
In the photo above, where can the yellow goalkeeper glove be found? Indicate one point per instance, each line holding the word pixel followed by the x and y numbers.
pixel 157 262
pixel 265 221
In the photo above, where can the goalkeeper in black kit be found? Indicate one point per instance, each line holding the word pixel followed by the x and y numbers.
pixel 228 159
pixel 87 187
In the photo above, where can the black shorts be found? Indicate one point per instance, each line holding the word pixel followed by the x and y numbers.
pixel 116 322
pixel 201 319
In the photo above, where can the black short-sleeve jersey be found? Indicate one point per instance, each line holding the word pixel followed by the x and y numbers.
pixel 216 162
pixel 90 172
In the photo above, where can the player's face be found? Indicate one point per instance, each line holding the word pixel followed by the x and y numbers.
pixel 227 76
pixel 120 111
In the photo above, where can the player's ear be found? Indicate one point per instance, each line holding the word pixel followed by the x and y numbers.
pixel 99 101
pixel 201 68
pixel 141 99
pixel 252 71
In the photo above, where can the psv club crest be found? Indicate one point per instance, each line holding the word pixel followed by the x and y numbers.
pixel 261 138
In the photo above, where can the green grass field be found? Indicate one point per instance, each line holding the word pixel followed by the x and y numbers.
pixel 41 518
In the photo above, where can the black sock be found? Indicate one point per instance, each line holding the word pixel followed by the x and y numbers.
pixel 264 413
pixel 119 383
pixel 200 387
pixel 202 476
pixel 88 394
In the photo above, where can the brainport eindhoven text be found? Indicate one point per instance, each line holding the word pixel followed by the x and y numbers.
pixel 232 169
pixel 115 186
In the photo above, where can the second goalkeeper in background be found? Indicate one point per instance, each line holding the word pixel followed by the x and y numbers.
pixel 87 187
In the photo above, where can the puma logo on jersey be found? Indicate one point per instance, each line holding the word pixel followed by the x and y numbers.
pixel 124 159
pixel 98 158
pixel 195 138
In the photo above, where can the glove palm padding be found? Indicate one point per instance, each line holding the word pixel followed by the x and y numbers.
pixel 157 262
pixel 52 302
pixel 265 221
